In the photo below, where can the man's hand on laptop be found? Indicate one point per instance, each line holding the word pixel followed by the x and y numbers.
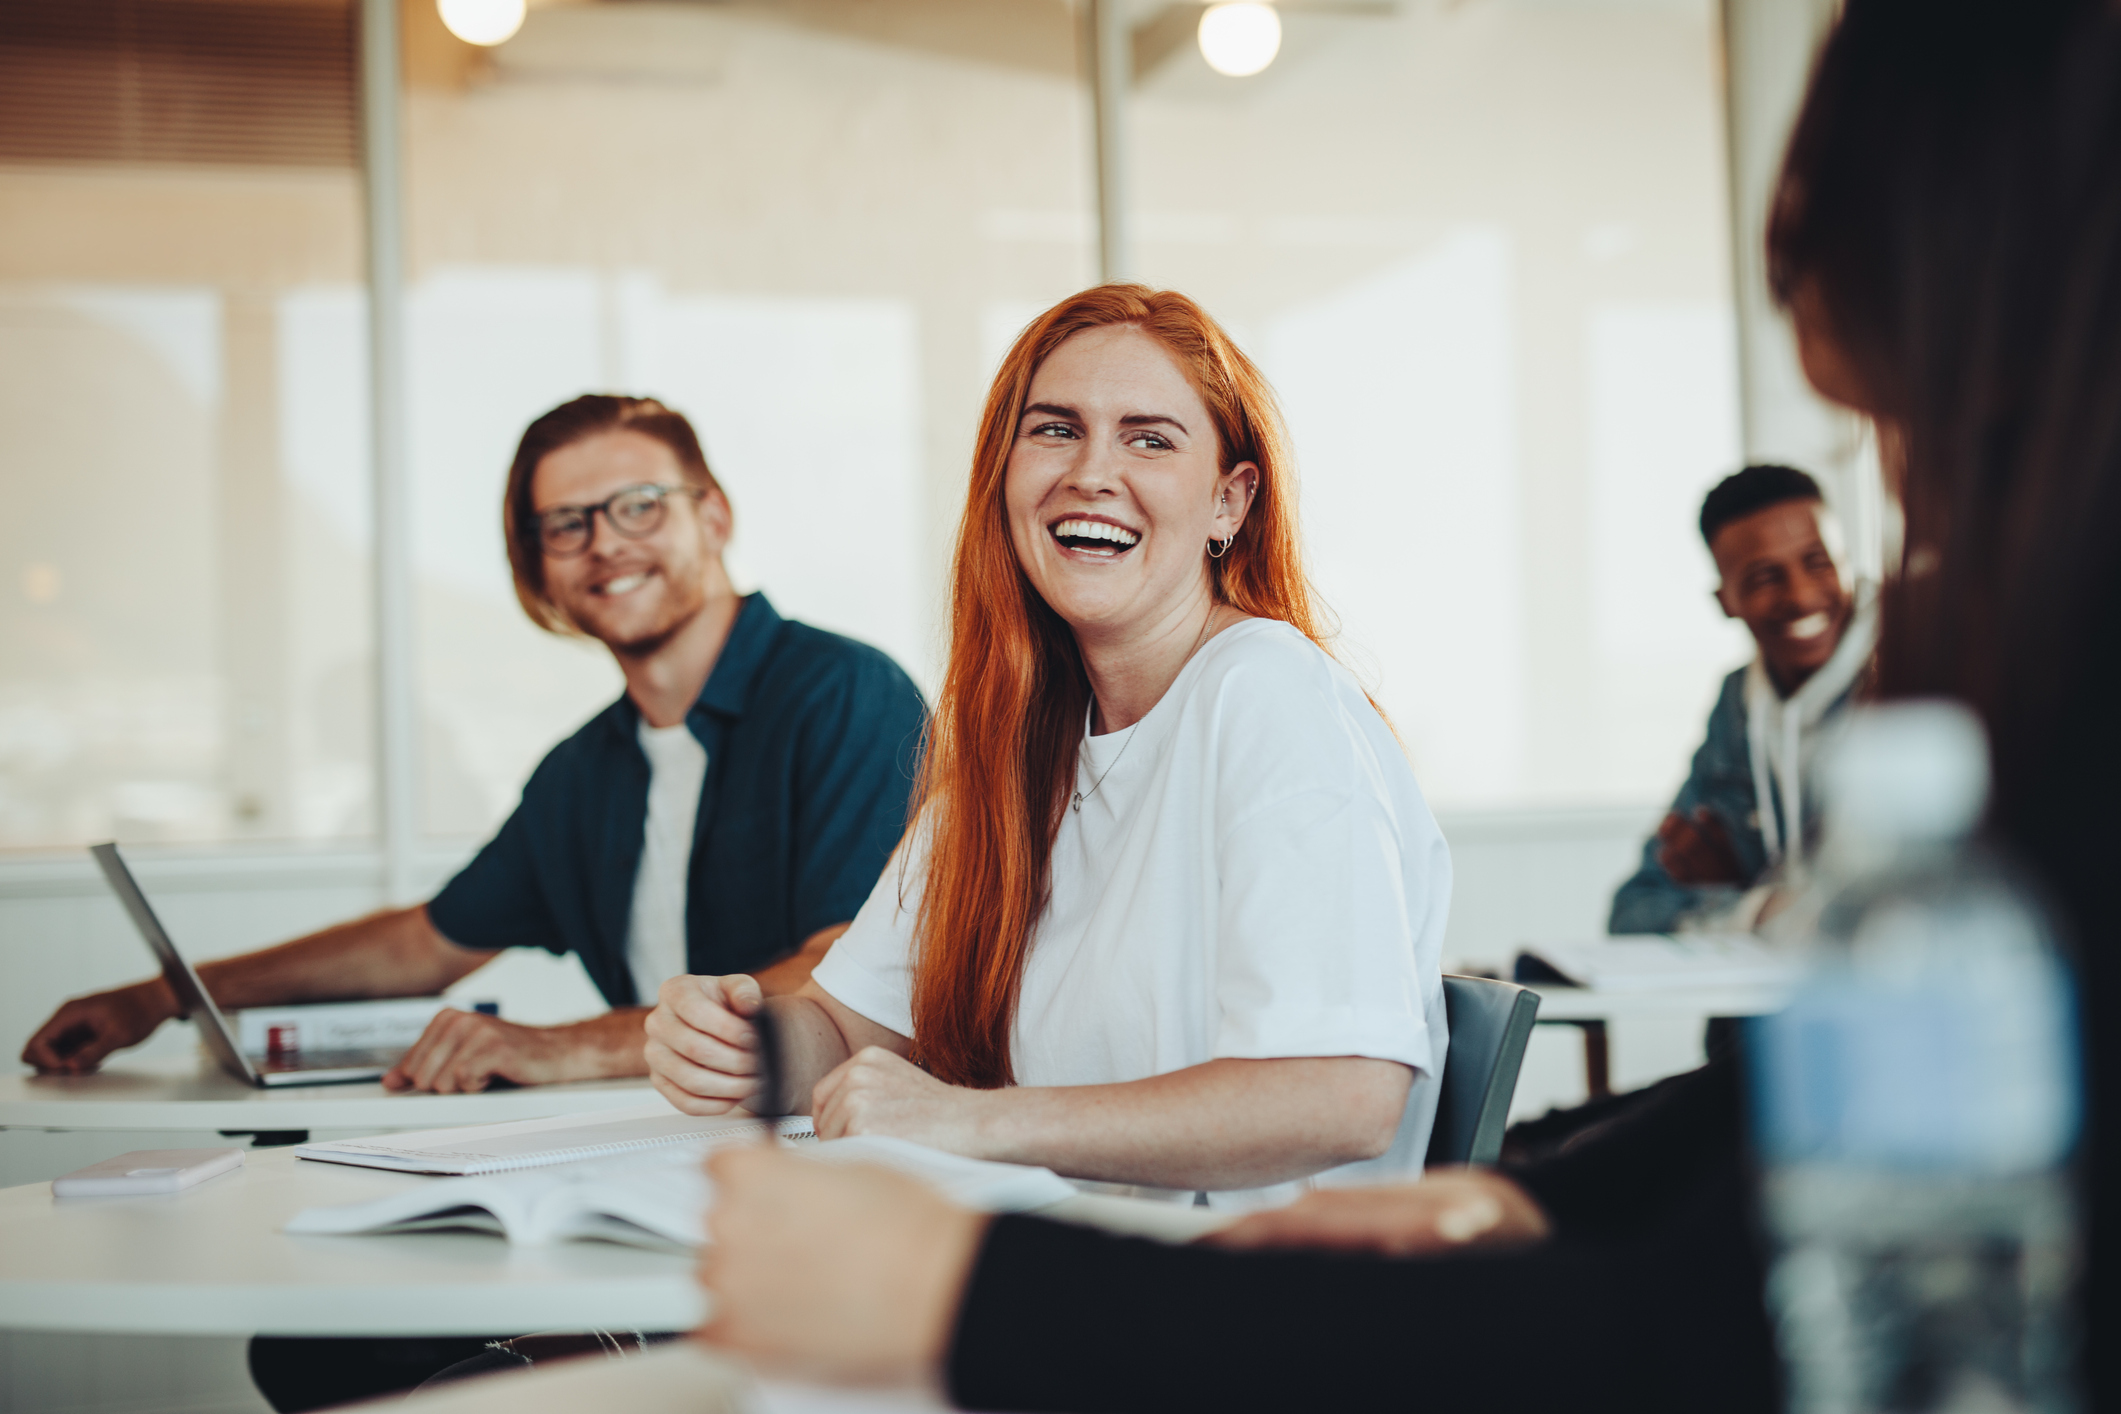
pixel 85 1030
pixel 462 1052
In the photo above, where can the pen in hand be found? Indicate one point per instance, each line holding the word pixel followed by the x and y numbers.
pixel 769 1104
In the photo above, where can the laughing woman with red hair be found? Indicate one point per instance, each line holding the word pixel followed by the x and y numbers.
pixel 1171 908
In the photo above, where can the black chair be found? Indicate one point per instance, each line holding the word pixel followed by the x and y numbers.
pixel 1490 1023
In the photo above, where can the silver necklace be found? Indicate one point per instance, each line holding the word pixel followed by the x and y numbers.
pixel 1076 804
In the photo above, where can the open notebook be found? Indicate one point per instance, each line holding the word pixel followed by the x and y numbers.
pixel 657 1198
pixel 534 1143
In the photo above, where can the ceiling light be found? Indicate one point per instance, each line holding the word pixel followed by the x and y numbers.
pixel 1239 40
pixel 487 22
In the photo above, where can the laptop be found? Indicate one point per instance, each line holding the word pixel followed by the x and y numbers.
pixel 297 1068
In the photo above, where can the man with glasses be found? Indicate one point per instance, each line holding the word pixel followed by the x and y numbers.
pixel 728 814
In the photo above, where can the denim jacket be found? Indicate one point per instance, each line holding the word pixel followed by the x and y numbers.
pixel 1722 780
pixel 1736 783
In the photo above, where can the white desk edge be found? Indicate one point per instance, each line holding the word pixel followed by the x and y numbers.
pixel 184 1092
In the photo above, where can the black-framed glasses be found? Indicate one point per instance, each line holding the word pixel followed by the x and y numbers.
pixel 634 512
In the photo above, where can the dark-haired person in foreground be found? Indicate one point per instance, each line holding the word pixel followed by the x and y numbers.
pixel 1947 233
pixel 729 813
pixel 1737 829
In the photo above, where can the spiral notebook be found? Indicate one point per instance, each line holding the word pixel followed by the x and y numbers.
pixel 534 1143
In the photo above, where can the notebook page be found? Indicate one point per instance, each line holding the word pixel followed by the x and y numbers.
pixel 974 1183
pixel 663 1194
pixel 494 1148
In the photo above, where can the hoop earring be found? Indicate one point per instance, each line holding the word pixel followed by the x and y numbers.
pixel 1215 554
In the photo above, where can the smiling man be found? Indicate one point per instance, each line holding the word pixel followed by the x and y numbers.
pixel 1737 831
pixel 728 814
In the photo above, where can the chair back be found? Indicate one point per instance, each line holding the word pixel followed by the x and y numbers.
pixel 1490 1023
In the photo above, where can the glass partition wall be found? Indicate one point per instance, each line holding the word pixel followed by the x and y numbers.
pixel 184 566
pixel 778 218
pixel 1478 244
pixel 1482 250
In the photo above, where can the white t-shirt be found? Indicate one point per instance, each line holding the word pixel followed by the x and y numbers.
pixel 655 930
pixel 1255 875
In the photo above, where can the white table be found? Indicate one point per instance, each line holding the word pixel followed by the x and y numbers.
pixel 187 1092
pixel 1579 1004
pixel 212 1260
pixel 1592 1011
pixel 51 1125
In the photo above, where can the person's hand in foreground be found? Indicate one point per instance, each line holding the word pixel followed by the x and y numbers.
pixel 85 1030
pixel 841 1275
pixel 1696 851
pixel 1449 1211
pixel 702 1052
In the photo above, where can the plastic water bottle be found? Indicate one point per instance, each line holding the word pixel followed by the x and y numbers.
pixel 1917 1103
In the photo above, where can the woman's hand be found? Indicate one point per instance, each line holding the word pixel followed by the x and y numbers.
pixel 1445 1212
pixel 848 1275
pixel 702 1052
pixel 876 1092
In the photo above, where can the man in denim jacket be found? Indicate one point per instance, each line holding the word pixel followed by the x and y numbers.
pixel 1737 830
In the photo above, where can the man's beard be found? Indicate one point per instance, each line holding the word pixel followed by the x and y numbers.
pixel 647 643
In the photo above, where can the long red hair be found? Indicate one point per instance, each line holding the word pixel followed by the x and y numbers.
pixel 1001 748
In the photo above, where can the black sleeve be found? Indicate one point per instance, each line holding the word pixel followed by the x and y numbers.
pixel 1623 1175
pixel 1075 1321
pixel 495 901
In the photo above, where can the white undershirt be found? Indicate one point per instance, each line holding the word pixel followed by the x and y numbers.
pixel 1254 875
pixel 655 930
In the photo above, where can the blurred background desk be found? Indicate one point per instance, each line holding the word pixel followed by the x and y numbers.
pixel 51 1125
pixel 1593 1012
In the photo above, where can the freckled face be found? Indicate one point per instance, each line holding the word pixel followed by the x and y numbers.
pixel 1113 489
pixel 630 593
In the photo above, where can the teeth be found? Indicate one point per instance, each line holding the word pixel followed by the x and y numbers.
pixel 1096 530
pixel 1810 626
pixel 625 584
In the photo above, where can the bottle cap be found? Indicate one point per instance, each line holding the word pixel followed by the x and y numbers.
pixel 1908 771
